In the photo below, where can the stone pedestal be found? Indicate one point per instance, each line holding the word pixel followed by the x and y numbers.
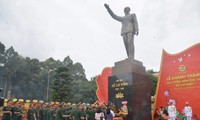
pixel 130 83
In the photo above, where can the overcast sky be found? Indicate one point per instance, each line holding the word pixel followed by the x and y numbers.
pixel 85 31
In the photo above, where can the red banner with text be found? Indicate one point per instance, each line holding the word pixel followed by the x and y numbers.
pixel 179 79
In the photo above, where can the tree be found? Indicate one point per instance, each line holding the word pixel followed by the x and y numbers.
pixel 2 60
pixel 2 53
pixel 76 69
pixel 23 77
pixel 11 65
pixel 48 68
pixel 61 88
pixel 28 82
pixel 67 62
pixel 84 91
pixel 78 72
pixel 153 78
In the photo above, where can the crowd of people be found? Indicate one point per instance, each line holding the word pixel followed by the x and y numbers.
pixel 170 112
pixel 55 111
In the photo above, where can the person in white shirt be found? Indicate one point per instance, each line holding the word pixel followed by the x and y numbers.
pixel 188 111
pixel 172 111
pixel 99 115
pixel 112 113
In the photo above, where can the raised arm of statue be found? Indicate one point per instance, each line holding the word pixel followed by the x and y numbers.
pixel 112 14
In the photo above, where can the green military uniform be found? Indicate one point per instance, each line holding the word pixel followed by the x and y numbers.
pixel 32 113
pixel 59 113
pixel 7 116
pixel 45 113
pixel 16 116
pixel 91 114
pixel 83 114
pixel 20 116
pixel 48 114
pixel 41 114
pixel 68 112
pixel 76 114
pixel 52 113
pixel 36 113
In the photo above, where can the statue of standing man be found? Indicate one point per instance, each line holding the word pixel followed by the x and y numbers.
pixel 128 30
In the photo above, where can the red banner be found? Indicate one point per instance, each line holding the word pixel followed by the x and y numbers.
pixel 180 79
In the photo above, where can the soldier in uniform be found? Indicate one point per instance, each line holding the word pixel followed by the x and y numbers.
pixel 32 112
pixel 22 110
pixel 92 112
pixel 7 111
pixel 59 112
pixel 46 115
pixel 17 113
pixel 48 112
pixel 42 110
pixel 52 111
pixel 67 113
pixel 83 113
pixel 29 114
pixel 50 107
pixel 76 114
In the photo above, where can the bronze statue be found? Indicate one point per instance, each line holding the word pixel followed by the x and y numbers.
pixel 128 30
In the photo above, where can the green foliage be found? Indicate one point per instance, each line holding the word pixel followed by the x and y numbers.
pixel 76 69
pixel 2 52
pixel 12 63
pixel 61 88
pixel 153 78
pixel 28 78
pixel 84 91
pixel 2 60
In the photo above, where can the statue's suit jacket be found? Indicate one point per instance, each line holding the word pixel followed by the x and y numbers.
pixel 129 22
